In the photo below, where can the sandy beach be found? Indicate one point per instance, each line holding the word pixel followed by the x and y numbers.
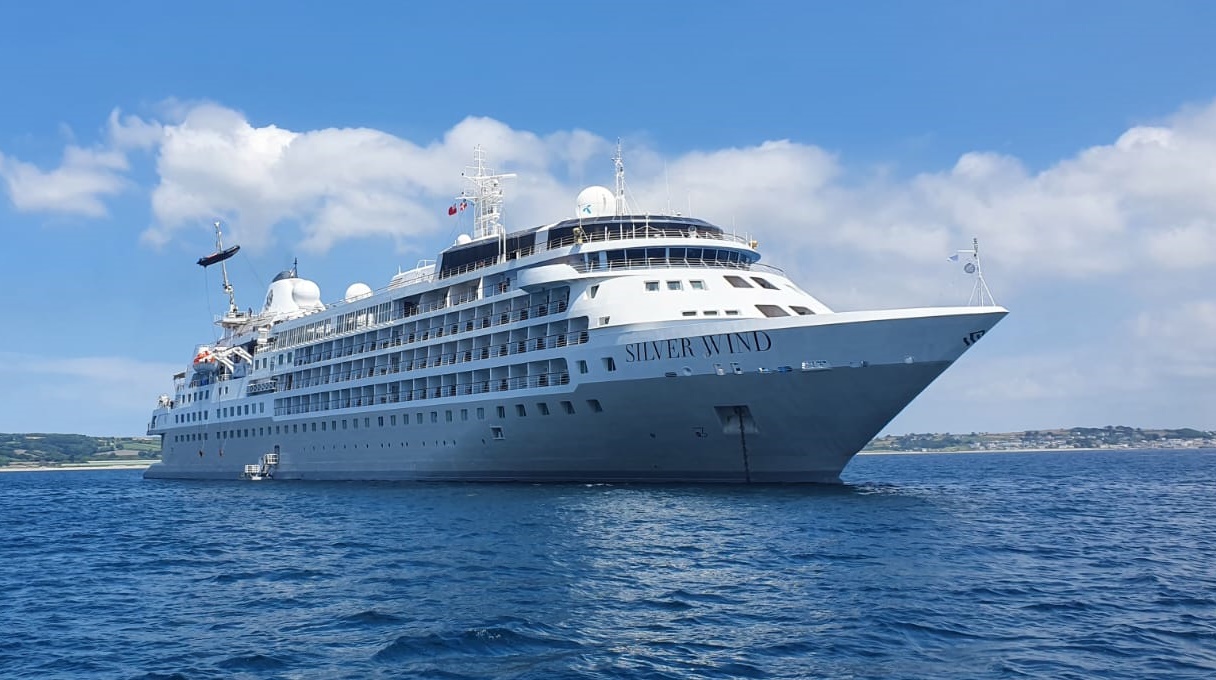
pixel 133 465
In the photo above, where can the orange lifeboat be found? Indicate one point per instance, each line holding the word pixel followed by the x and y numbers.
pixel 204 361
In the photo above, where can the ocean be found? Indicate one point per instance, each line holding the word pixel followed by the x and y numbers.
pixel 1094 564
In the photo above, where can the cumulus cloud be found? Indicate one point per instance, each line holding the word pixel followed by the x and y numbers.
pixel 1127 227
pixel 84 178
pixel 1150 193
pixel 339 183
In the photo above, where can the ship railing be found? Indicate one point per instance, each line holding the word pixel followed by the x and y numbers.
pixel 261 387
pixel 643 232
pixel 671 263
pixel 635 231
pixel 396 314
pixel 466 326
pixel 463 389
pixel 554 341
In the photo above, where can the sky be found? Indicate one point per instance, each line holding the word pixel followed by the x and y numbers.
pixel 860 143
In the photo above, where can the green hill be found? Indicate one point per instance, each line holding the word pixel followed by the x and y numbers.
pixel 53 449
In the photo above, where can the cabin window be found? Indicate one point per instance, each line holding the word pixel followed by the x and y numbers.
pixel 697 285
pixel 772 310
pixel 675 285
pixel 502 411
pixel 710 312
pixel 354 423
pixel 520 410
pixel 496 432
pixel 447 415
pixel 652 286
pixel 323 424
pixel 380 421
pixel 594 405
pixel 593 290
pixel 692 313
pixel 464 414
pixel 764 283
pixel 609 364
pixel 481 413
pixel 392 420
pixel 418 418
pixel 738 282
pixel 801 310
pixel 568 408
pixel 434 416
pixel 732 312
pixel 543 408
pixel 582 366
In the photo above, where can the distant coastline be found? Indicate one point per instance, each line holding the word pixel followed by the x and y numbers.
pixel 103 465
pixel 893 452
pixel 36 452
pixel 1071 439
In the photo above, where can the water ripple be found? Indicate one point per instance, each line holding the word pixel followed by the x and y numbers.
pixel 1072 565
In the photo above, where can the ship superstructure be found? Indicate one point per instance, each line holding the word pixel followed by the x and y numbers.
pixel 607 347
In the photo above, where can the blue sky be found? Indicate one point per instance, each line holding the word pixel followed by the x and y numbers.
pixel 860 142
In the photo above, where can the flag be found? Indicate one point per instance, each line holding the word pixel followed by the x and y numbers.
pixel 953 258
pixel 452 210
pixel 463 205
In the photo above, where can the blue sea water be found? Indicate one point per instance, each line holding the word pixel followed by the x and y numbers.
pixel 1061 565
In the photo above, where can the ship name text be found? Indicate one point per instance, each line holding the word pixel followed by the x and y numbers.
pixel 702 346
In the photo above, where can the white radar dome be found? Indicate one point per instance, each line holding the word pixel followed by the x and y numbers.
pixel 356 291
pixel 463 239
pixel 595 202
pixel 306 294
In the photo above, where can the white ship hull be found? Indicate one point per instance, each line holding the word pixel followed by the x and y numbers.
pixel 610 347
pixel 782 400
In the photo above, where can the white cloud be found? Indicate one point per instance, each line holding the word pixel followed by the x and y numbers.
pixel 77 187
pixel 85 178
pixel 1114 234
pixel 336 183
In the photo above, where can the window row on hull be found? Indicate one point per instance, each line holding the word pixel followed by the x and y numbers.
pixel 396 363
pixel 483 317
pixel 533 375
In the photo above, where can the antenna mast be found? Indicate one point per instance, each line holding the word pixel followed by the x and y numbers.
pixel 980 295
pixel 486 196
pixel 219 248
pixel 619 161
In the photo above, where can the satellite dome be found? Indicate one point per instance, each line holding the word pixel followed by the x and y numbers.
pixel 463 239
pixel 356 291
pixel 595 202
pixel 306 294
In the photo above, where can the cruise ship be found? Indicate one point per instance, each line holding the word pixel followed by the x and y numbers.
pixel 609 347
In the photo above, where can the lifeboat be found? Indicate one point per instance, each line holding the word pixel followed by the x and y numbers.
pixel 218 256
pixel 204 361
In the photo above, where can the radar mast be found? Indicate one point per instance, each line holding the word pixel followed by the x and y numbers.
pixel 486 196
pixel 619 162
pixel 219 256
